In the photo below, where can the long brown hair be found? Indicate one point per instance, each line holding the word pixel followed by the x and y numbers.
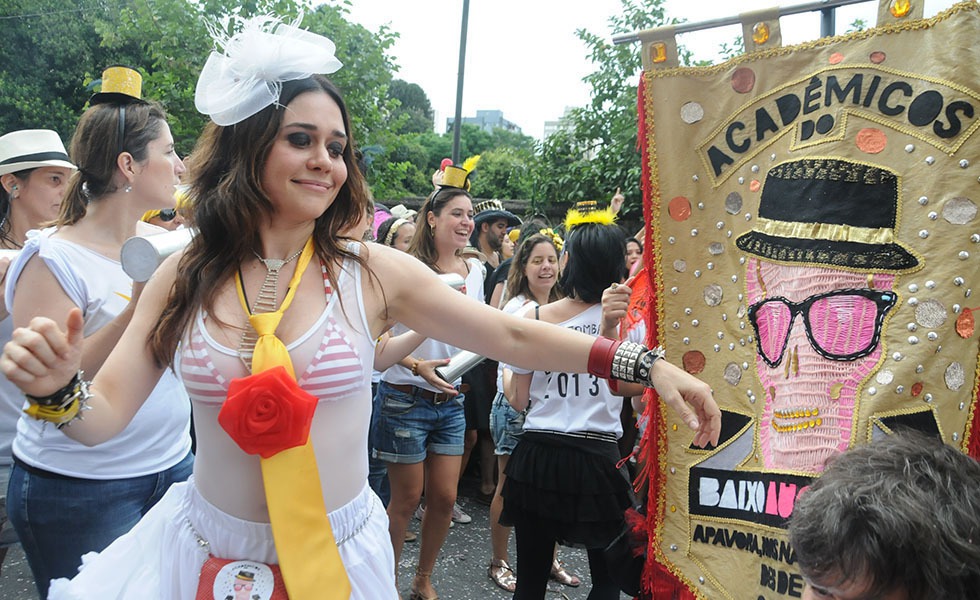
pixel 229 204
pixel 517 284
pixel 95 148
pixel 423 246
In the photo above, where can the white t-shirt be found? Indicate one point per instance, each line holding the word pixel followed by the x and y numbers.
pixel 519 306
pixel 576 402
pixel 158 437
pixel 432 349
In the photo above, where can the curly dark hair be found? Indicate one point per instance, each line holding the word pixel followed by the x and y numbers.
pixel 899 514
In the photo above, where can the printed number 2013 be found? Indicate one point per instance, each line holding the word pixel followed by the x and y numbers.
pixel 564 379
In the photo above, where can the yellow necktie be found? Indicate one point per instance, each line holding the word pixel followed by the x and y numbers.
pixel 308 555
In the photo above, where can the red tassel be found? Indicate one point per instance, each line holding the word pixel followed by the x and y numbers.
pixel 973 447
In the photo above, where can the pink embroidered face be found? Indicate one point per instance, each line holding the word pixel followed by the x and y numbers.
pixel 818 336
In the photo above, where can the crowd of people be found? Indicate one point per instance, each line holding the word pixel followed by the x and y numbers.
pixel 113 369
pixel 323 418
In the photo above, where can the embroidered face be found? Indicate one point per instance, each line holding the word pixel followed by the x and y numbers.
pixel 243 590
pixel 818 336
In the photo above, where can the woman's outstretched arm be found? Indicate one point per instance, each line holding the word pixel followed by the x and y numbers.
pixel 408 292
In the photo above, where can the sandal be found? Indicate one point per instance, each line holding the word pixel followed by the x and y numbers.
pixel 500 573
pixel 559 574
pixel 416 594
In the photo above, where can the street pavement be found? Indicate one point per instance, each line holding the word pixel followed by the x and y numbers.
pixel 460 573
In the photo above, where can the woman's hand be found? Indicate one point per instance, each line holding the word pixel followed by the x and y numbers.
pixel 691 398
pixel 427 371
pixel 616 202
pixel 41 358
pixel 615 302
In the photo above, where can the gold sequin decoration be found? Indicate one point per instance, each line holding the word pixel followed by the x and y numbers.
pixel 900 8
pixel 658 52
pixel 760 33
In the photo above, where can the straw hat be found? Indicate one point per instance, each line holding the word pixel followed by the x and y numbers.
pixel 30 149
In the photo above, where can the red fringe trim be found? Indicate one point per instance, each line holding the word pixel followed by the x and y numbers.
pixel 973 447
pixel 658 582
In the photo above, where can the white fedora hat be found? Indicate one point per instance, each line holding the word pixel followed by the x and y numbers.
pixel 30 149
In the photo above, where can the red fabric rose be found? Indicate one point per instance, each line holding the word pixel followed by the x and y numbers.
pixel 267 413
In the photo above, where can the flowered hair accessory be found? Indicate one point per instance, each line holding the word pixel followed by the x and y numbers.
pixel 247 74
pixel 554 237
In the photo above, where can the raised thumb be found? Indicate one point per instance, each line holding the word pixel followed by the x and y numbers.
pixel 74 326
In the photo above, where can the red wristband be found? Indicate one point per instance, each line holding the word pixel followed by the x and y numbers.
pixel 601 356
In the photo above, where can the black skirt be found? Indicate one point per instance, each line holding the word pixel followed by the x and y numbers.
pixel 570 483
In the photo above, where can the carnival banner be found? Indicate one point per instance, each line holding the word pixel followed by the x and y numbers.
pixel 815 253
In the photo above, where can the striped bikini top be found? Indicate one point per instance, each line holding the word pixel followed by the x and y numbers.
pixel 332 359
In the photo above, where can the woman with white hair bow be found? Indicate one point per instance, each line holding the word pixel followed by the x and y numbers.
pixel 278 371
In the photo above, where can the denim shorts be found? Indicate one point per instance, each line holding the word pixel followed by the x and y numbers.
pixel 409 426
pixel 506 424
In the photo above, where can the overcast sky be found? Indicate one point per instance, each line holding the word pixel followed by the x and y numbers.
pixel 523 58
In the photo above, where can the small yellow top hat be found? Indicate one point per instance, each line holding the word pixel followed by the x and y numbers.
pixel 456 177
pixel 120 85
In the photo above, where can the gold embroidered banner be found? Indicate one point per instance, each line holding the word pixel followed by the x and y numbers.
pixel 816 244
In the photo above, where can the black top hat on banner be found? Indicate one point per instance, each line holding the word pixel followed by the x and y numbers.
pixel 830 212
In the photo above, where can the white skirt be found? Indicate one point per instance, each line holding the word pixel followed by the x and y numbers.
pixel 162 556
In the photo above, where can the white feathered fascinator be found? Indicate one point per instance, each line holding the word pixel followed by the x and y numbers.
pixel 247 74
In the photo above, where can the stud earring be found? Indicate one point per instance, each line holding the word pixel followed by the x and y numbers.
pixel 128 188
pixel 14 188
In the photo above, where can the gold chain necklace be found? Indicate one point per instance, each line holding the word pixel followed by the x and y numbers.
pixel 265 301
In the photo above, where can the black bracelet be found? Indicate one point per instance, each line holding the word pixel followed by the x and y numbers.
pixel 57 398
pixel 633 362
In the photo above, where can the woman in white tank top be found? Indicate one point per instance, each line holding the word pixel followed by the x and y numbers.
pixel 279 174
pixel 67 499
pixel 34 172
pixel 563 484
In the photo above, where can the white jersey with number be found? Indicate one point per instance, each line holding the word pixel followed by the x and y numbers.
pixel 576 402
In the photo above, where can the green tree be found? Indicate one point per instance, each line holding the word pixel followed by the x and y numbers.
pixel 505 172
pixel 168 42
pixel 413 105
pixel 598 154
pixel 59 36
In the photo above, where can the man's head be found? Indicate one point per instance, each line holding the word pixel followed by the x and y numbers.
pixel 491 233
pixel 897 519
pixel 490 224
